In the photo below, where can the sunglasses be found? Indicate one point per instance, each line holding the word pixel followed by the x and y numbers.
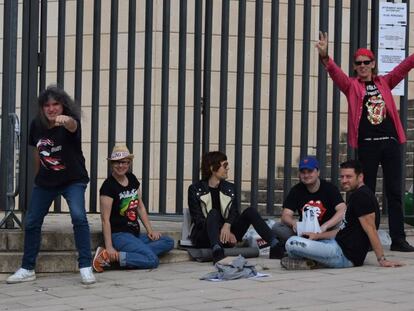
pixel 360 62
pixel 121 162
pixel 225 164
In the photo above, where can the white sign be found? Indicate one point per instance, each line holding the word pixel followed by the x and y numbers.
pixel 387 60
pixel 392 13
pixel 391 37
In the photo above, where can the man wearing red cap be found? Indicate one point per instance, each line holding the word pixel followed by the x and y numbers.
pixel 374 127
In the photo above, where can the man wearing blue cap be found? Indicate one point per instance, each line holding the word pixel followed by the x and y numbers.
pixel 310 191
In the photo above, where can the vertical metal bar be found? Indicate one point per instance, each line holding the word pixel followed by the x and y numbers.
pixel 353 45
pixel 404 106
pixel 8 101
pixel 336 96
pixel 353 34
pixel 271 154
pixel 60 75
pixel 207 75
pixel 164 105
pixel 238 152
pixel 179 199
pixel 113 75
pixel 132 20
pixel 256 102
pixel 304 114
pixel 61 43
pixel 79 51
pixel 363 23
pixel 96 67
pixel 30 33
pixel 322 96
pixel 225 19
pixel 290 67
pixel 197 88
pixel 374 25
pixel 43 45
pixel 147 102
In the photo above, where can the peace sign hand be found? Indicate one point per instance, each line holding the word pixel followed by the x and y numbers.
pixel 322 44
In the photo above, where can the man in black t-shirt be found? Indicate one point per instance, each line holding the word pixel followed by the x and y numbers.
pixel 347 246
pixel 313 192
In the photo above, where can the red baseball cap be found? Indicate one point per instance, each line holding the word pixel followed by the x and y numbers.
pixel 364 52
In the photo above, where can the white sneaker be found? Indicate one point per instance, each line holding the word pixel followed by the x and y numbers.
pixel 87 276
pixel 21 275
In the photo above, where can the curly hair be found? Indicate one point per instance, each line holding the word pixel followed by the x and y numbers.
pixel 54 92
pixel 211 162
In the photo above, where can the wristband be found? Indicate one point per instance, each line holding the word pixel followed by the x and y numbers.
pixel 379 259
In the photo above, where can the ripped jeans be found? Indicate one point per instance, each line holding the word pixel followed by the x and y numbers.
pixel 326 252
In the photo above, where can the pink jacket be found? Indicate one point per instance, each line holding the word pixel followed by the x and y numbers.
pixel 354 90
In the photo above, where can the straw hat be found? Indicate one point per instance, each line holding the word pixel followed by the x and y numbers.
pixel 120 152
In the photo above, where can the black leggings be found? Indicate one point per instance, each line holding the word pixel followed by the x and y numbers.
pixel 210 235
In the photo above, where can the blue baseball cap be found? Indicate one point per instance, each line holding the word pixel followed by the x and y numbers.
pixel 309 163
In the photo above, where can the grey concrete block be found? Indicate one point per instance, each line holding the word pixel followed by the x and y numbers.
pixel 176 255
pixel 3 241
pixel 15 240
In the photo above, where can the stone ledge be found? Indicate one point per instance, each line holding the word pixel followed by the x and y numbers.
pixel 58 262
pixel 13 240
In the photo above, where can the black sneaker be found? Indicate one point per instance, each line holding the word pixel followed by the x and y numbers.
pixel 277 251
pixel 401 246
pixel 218 254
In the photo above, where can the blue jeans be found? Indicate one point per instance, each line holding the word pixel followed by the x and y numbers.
pixel 326 252
pixel 40 202
pixel 140 252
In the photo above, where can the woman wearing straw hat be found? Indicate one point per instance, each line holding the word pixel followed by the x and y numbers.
pixel 121 206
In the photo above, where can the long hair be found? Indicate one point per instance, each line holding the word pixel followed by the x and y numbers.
pixel 211 161
pixel 70 108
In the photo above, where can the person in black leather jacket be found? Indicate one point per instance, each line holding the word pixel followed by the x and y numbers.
pixel 213 208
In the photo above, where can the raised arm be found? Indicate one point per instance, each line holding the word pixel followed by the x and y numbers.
pixel 322 46
pixel 339 77
pixel 399 72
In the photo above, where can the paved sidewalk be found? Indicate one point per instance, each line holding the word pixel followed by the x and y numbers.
pixel 177 287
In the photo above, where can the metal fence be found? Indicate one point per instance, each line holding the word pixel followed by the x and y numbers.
pixel 274 37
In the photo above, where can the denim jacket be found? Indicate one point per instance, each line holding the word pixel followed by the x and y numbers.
pixel 200 203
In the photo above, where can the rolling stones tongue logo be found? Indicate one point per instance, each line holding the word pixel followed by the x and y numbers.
pixel 317 207
pixel 131 211
pixel 376 112
pixel 47 155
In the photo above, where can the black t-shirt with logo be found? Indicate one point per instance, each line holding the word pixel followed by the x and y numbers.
pixel 324 200
pixel 351 237
pixel 124 213
pixel 375 122
pixel 60 153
